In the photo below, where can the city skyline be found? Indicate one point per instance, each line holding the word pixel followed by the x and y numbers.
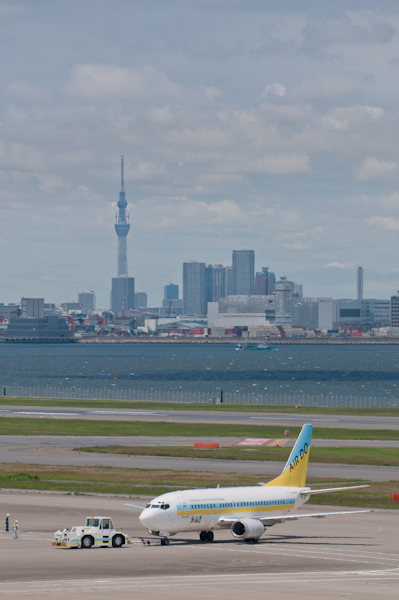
pixel 270 125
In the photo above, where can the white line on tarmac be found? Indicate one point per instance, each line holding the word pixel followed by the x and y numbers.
pixel 198 580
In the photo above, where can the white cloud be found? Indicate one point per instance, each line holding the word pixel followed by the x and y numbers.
pixel 372 168
pixel 339 265
pixel 275 89
pixel 384 223
pixel 344 118
pixel 104 81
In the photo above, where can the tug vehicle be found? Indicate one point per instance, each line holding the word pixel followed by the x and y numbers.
pixel 98 531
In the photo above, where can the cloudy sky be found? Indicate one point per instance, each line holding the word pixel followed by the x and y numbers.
pixel 270 125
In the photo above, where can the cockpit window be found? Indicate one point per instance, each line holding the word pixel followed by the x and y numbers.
pixel 148 506
pixel 164 506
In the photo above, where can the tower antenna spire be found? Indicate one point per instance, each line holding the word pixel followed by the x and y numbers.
pixel 122 175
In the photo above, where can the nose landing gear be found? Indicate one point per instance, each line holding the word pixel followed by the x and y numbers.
pixel 206 536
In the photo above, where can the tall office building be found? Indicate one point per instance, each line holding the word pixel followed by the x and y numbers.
pixel 360 283
pixel 243 272
pixel 265 282
pixel 140 300
pixel 228 281
pixel 219 283
pixel 171 292
pixel 88 301
pixel 122 295
pixel 194 288
pixel 209 282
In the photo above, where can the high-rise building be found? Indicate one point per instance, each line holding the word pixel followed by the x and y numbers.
pixel 229 281
pixel 243 272
pixel 395 310
pixel 209 282
pixel 88 301
pixel 194 288
pixel 219 283
pixel 360 283
pixel 283 300
pixel 122 295
pixel 171 292
pixel 140 300
pixel 265 282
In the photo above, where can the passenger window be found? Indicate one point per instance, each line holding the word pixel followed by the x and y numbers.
pixel 105 523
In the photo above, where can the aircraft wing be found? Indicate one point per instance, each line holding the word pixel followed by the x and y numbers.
pixel 340 489
pixel 136 506
pixel 269 521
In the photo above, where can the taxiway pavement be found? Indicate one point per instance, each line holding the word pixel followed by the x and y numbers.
pixel 53 450
pixel 182 416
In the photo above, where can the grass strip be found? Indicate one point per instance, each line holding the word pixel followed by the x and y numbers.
pixel 195 406
pixel 349 456
pixel 39 426
pixel 152 483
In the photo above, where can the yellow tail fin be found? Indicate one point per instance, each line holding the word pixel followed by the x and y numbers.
pixel 294 472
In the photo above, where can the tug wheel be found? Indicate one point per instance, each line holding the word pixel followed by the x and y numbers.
pixel 87 541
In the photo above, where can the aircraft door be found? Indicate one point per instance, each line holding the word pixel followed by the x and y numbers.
pixel 184 509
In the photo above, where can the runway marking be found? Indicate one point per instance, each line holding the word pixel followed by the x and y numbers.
pixel 314 552
pixel 139 583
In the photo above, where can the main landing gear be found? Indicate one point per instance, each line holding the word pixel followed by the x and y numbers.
pixel 165 542
pixel 206 536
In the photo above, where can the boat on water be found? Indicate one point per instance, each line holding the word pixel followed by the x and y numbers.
pixel 262 346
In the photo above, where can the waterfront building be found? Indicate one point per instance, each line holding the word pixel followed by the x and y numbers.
pixel 394 310
pixel 209 283
pixel 32 307
pixel 37 329
pixel 9 310
pixel 243 272
pixel 88 301
pixel 194 288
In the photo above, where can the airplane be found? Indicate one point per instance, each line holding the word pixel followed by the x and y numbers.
pixel 247 511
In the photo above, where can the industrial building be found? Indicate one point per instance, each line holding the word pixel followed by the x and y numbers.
pixel 36 329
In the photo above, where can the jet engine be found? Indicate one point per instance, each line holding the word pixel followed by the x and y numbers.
pixel 247 529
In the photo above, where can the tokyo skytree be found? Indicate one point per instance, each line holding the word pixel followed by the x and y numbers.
pixel 122 228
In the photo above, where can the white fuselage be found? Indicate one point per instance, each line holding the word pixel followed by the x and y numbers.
pixel 202 509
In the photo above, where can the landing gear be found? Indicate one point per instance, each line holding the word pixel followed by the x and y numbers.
pixel 165 542
pixel 206 536
pixel 251 541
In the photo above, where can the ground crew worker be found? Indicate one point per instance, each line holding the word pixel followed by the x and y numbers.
pixel 16 527
pixel 7 522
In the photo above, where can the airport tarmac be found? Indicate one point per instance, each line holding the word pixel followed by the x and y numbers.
pixel 53 450
pixel 338 556
pixel 182 416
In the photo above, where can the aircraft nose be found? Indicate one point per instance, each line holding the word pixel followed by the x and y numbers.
pixel 145 518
